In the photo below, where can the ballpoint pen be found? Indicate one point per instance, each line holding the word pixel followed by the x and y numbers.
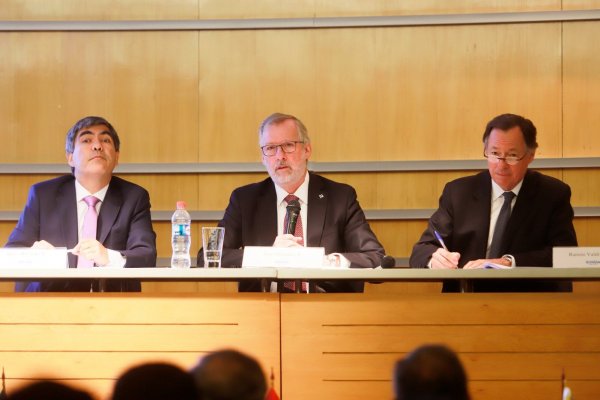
pixel 439 239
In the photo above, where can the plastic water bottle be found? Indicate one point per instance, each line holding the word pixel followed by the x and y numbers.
pixel 181 237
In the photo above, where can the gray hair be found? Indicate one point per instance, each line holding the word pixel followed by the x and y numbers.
pixel 278 118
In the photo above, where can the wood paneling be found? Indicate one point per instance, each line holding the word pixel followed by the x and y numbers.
pixel 144 83
pixel 507 341
pixel 585 190
pixel 581 88
pixel 381 87
pixel 95 338
pixel 580 4
pixel 316 8
pixel 98 10
pixel 207 9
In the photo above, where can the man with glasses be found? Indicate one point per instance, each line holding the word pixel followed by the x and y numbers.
pixel 330 215
pixel 507 215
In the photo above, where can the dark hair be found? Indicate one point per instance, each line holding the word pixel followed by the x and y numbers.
pixel 229 375
pixel 431 372
pixel 49 390
pixel 86 123
pixel 155 381
pixel 507 121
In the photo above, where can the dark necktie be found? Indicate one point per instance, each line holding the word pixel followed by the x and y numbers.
pixel 298 232
pixel 88 231
pixel 501 223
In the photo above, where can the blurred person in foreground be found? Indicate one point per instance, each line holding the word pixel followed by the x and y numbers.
pixel 49 390
pixel 431 372
pixel 155 381
pixel 229 375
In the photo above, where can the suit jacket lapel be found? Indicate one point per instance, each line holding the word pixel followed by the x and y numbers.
pixel 266 213
pixel 109 210
pixel 521 209
pixel 482 206
pixel 66 204
pixel 317 200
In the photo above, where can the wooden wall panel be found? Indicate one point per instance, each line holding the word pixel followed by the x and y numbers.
pixel 502 341
pixel 581 82
pixel 255 83
pixel 207 9
pixel 580 4
pixel 144 83
pixel 353 87
pixel 587 231
pixel 585 191
pixel 113 332
pixel 316 8
pixel 98 10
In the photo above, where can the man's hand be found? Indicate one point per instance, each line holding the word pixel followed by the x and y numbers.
pixel 287 240
pixel 443 259
pixel 92 250
pixel 42 244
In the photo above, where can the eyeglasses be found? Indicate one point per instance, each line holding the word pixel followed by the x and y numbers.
pixel 270 150
pixel 495 157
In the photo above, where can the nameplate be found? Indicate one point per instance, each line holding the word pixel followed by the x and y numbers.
pixel 290 257
pixel 26 257
pixel 576 257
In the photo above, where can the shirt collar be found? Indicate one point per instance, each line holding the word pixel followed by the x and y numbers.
pixel 81 192
pixel 497 191
pixel 301 192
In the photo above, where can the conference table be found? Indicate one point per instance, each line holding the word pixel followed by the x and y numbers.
pixel 334 346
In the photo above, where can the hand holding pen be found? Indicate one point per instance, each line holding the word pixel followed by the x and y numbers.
pixel 443 258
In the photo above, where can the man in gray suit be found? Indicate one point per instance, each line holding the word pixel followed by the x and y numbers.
pixel 56 209
pixel 330 214
pixel 537 212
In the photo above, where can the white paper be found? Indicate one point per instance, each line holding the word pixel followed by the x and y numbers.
pixel 26 257
pixel 576 257
pixel 491 265
pixel 290 257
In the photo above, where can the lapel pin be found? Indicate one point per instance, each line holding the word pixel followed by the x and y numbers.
pixel 321 195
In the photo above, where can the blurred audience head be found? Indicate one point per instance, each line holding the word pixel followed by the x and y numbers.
pixel 49 390
pixel 155 381
pixel 431 372
pixel 229 375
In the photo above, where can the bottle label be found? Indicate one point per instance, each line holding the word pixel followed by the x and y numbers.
pixel 181 230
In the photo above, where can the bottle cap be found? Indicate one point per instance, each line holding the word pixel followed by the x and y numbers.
pixel 181 205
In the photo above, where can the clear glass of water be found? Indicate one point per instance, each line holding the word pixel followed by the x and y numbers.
pixel 212 244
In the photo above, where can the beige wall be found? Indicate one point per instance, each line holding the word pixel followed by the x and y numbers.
pixel 391 93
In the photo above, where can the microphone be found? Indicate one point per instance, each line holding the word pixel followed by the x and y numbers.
pixel 292 214
pixel 388 262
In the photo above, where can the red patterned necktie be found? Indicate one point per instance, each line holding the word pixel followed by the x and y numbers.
pixel 88 231
pixel 298 232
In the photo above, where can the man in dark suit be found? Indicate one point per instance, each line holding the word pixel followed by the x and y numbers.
pixel 56 209
pixel 470 213
pixel 333 218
